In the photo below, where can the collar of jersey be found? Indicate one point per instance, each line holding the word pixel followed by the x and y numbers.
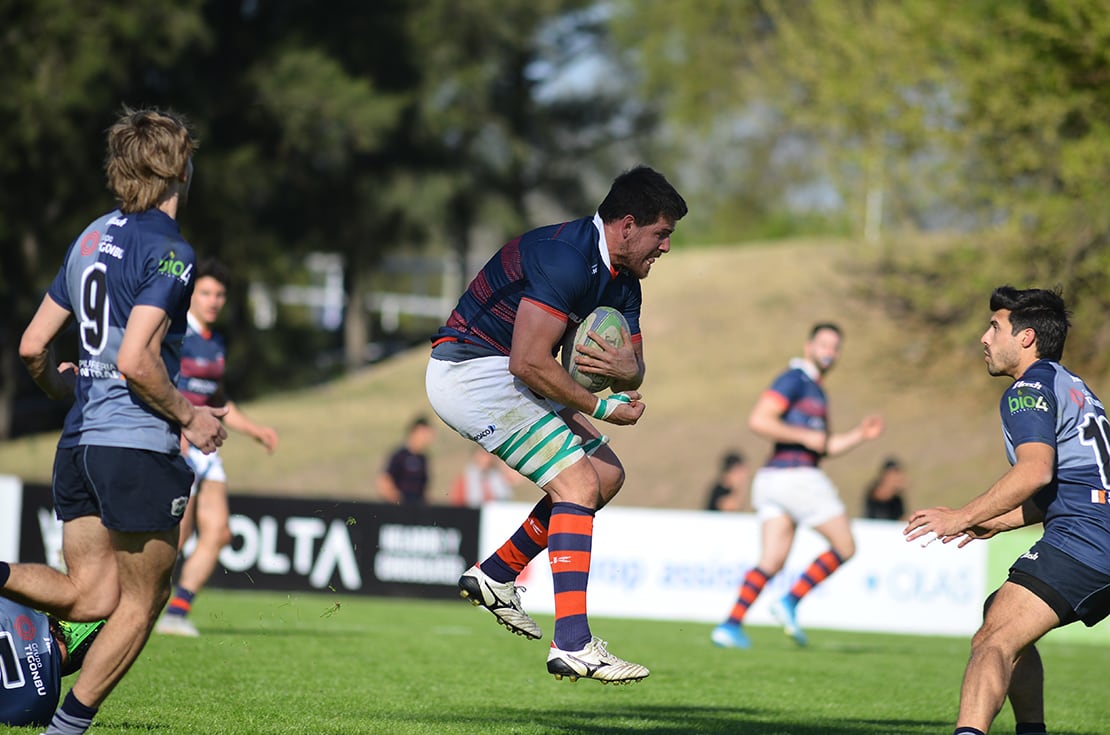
pixel 806 367
pixel 195 324
pixel 603 246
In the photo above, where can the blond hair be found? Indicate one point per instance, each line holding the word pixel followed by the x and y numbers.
pixel 147 150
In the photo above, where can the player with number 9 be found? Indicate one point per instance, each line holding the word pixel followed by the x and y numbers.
pixel 120 485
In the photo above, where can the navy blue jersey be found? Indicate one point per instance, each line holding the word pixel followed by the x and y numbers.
pixel 1051 405
pixel 803 404
pixel 119 262
pixel 202 364
pixel 409 472
pixel 30 666
pixel 563 268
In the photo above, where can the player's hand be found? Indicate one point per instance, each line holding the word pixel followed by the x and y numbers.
pixel 946 523
pixel 618 363
pixel 974 533
pixel 205 431
pixel 67 378
pixel 871 427
pixel 622 409
pixel 267 437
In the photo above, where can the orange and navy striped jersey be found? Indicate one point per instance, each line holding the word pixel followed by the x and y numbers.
pixel 563 268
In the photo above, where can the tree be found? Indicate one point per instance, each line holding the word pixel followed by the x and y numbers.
pixel 986 121
pixel 507 131
pixel 67 67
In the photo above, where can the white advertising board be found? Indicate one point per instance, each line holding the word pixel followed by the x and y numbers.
pixel 687 565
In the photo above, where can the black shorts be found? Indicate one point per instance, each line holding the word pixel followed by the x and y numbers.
pixel 1072 589
pixel 131 490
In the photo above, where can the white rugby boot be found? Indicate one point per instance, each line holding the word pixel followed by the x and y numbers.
pixel 501 599
pixel 593 662
pixel 176 625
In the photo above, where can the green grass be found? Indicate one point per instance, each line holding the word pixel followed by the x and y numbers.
pixel 272 663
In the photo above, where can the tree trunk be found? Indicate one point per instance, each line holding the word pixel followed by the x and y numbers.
pixel 356 321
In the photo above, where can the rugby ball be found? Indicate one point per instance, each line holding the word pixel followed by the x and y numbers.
pixel 607 322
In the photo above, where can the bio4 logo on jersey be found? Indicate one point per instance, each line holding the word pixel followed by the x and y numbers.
pixel 1022 402
pixel 169 265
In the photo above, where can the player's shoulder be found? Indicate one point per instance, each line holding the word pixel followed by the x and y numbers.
pixel 1043 377
pixel 559 240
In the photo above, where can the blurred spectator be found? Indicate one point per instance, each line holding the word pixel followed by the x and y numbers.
pixel 731 491
pixel 404 479
pixel 885 498
pixel 484 478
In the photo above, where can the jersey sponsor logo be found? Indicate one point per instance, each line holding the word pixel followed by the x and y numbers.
pixel 24 628
pixel 108 248
pixel 201 387
pixel 1030 555
pixel 1023 384
pixel 488 431
pixel 98 369
pixel 117 222
pixel 169 265
pixel 177 507
pixel 88 243
pixel 1021 403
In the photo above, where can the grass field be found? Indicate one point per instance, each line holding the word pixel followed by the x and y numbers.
pixel 270 664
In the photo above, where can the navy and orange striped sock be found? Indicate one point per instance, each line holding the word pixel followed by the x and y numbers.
pixel 569 546
pixel 753 584
pixel 505 564
pixel 181 603
pixel 816 573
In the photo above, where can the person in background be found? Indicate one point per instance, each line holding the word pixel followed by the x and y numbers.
pixel 36 651
pixel 484 478
pixel 732 489
pixel 404 479
pixel 1056 435
pixel 203 355
pixel 791 489
pixel 886 495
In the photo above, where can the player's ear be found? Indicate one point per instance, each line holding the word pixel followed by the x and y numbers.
pixel 1028 338
pixel 627 223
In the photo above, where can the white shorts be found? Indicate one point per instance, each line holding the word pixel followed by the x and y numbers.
pixel 205 467
pixel 806 494
pixel 481 400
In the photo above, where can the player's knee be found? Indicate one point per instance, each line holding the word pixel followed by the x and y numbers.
pixel 846 550
pixel 95 604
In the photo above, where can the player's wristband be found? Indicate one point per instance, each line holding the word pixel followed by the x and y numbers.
pixel 606 406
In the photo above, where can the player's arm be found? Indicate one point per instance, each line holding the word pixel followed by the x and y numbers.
pixel 237 420
pixel 37 352
pixel 1025 515
pixel 871 427
pixel 140 360
pixel 766 421
pixel 1033 470
pixel 535 333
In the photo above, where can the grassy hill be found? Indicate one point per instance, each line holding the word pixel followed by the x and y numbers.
pixel 718 324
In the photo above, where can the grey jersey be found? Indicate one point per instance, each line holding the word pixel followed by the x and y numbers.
pixel 119 262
